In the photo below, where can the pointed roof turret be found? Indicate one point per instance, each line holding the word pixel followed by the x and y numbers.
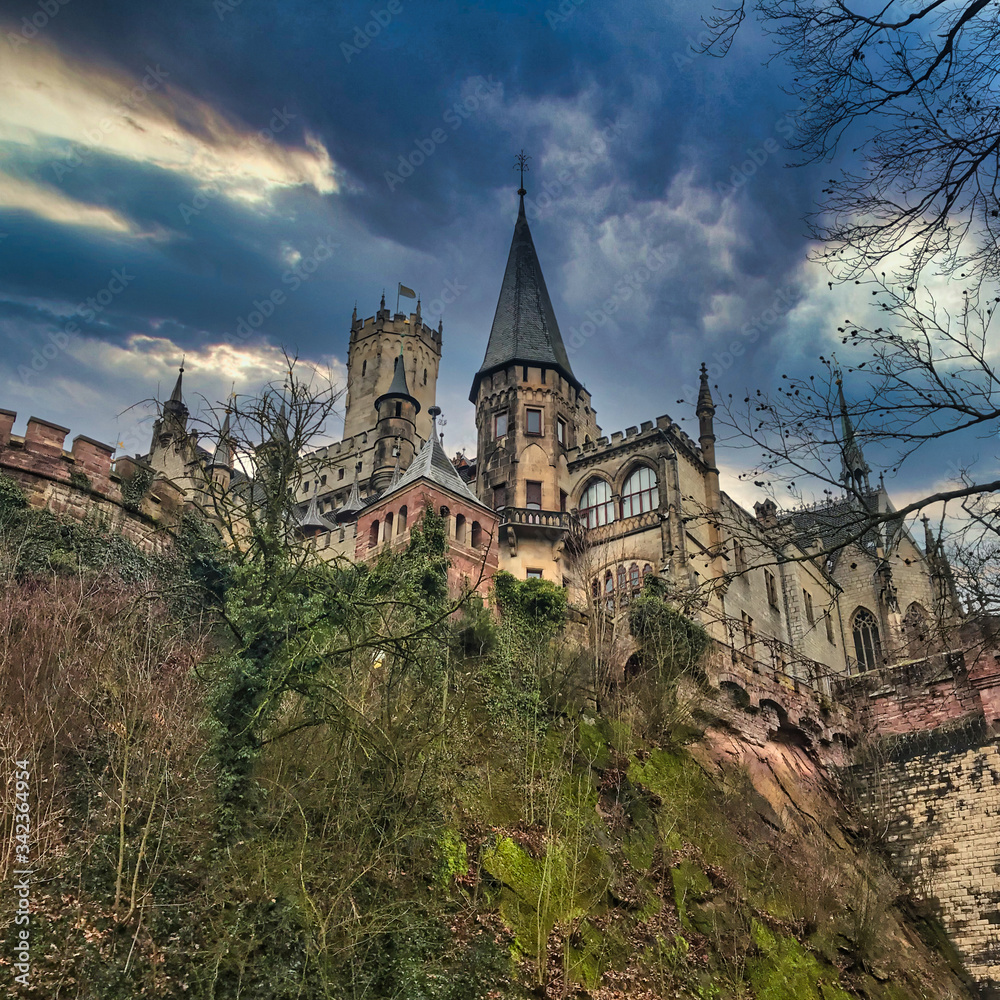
pixel 398 388
pixel 312 521
pixel 434 465
pixel 175 404
pixel 524 329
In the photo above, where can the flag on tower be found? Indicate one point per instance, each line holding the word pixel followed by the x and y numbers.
pixel 407 293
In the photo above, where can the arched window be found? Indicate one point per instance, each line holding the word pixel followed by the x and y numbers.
pixel 622 580
pixel 609 591
pixel 640 492
pixel 867 644
pixel 596 505
pixel 633 577
pixel 646 570
pixel 373 535
pixel 401 521
pixel 595 588
pixel 477 534
pixel 460 528
pixel 387 533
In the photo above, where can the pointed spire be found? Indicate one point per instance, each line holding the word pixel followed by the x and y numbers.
pixel 353 505
pixel 705 402
pixel 854 468
pixel 175 404
pixel 223 457
pixel 398 389
pixel 524 329
pixel 312 522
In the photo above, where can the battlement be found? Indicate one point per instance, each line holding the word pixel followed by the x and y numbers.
pixel 85 479
pixel 648 429
pixel 383 320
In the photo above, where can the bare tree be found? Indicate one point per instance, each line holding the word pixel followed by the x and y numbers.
pixel 913 88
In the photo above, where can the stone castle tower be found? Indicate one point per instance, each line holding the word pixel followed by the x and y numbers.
pixel 373 355
pixel 530 407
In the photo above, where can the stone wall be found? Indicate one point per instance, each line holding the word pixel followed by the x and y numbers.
pixel 84 482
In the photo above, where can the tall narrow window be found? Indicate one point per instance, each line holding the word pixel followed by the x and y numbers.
pixel 739 557
pixel 562 500
pixel 460 528
pixel 533 422
pixel 399 409
pixel 477 535
pixel 364 367
pixel 373 535
pixel 500 424
pixel 596 504
pixel 499 496
pixel 808 601
pixel 867 644
pixel 772 588
pixel 401 521
pixel 533 495
pixel 425 376
pixel 749 641
pixel 828 618
pixel 640 492
pixel 633 578
pixel 561 431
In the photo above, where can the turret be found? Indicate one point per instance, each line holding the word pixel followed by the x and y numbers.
pixel 395 432
pixel 854 468
pixel 705 411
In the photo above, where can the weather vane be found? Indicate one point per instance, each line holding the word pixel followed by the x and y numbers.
pixel 522 165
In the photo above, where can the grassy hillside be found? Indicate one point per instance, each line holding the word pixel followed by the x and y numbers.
pixel 312 782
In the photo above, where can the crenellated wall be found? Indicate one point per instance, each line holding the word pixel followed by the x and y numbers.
pixel 85 481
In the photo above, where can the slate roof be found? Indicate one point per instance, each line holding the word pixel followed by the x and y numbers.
pixel 524 328
pixel 312 519
pixel 434 465
pixel 836 522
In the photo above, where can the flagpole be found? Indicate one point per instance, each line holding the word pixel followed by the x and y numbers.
pixel 398 286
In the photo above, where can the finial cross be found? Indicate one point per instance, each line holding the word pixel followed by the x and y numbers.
pixel 522 165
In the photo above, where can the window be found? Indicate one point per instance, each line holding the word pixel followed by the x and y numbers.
pixel 399 409
pixel 373 535
pixel 609 591
pixel 401 521
pixel 867 644
pixel 387 531
pixel 640 493
pixel 808 601
pixel 364 367
pixel 533 574
pixel 561 431
pixel 477 535
pixel 500 424
pixel 915 623
pixel 646 570
pixel 533 422
pixel 340 473
pixel 499 496
pixel 305 487
pixel 633 577
pixel 596 505
pixel 749 641
pixel 828 618
pixel 460 528
pixel 533 495
pixel 622 581
pixel 425 376
pixel 739 556
pixel 562 500
pixel 771 587
pixel 322 480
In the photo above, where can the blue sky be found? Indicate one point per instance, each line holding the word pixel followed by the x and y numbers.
pixel 165 166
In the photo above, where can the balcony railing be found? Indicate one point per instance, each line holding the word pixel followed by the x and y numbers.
pixel 543 518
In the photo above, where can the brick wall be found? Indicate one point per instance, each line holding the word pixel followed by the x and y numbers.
pixel 84 481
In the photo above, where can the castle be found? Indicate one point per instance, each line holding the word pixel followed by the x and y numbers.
pixel 802 603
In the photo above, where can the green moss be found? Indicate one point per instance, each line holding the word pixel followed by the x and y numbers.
pixel 562 886
pixel 691 884
pixel 453 858
pixel 786 971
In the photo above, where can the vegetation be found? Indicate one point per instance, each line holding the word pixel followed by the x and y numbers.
pixel 275 777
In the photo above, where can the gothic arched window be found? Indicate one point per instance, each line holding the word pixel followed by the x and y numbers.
pixel 633 577
pixel 640 492
pixel 915 623
pixel 596 505
pixel 867 644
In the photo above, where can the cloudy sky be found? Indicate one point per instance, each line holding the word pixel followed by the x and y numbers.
pixel 165 166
